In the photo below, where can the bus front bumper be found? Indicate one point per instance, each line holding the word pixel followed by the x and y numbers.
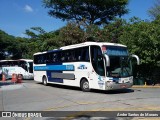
pixel 115 86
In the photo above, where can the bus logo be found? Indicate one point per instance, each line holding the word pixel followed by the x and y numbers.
pixel 82 67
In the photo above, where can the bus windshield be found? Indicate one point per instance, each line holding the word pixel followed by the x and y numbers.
pixel 120 65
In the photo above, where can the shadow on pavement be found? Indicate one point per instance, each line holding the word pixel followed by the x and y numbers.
pixel 121 91
pixel 6 83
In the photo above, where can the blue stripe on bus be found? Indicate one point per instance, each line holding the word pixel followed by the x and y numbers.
pixel 55 67
pixel 58 80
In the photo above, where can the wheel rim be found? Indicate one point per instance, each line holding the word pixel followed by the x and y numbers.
pixel 44 81
pixel 85 85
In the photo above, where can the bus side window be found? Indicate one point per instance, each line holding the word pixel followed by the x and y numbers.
pixel 54 57
pixel 77 54
pixel 69 56
pixel 58 57
pixel 42 59
pixel 72 55
pixel 39 59
pixel 97 60
pixel 63 56
pixel 85 54
pixel 35 59
pixel 47 58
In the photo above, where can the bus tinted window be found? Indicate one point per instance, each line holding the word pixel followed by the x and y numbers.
pixel 72 55
pixel 97 60
pixel 78 54
pixel 85 54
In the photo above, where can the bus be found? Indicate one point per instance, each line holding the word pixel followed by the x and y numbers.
pixel 20 66
pixel 88 65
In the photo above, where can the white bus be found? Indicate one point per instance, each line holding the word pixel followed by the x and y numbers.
pixel 89 65
pixel 20 66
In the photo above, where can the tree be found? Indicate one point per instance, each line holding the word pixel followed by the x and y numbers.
pixel 6 42
pixel 71 34
pixel 19 48
pixel 33 32
pixel 142 39
pixel 112 31
pixel 154 11
pixel 87 11
pixel 40 40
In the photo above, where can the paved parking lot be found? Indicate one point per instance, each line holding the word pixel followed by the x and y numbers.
pixel 32 96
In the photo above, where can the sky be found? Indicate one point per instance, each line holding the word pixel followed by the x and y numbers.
pixel 18 15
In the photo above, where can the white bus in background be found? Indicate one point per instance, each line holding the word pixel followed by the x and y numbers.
pixel 89 65
pixel 20 66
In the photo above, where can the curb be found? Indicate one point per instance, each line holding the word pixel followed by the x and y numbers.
pixel 144 86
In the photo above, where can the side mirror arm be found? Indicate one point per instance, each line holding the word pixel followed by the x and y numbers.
pixel 107 60
pixel 137 58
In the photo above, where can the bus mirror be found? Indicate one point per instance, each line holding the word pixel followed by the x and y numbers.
pixel 107 60
pixel 28 65
pixel 137 58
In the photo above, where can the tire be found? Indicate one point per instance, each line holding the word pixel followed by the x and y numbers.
pixel 85 85
pixel 44 81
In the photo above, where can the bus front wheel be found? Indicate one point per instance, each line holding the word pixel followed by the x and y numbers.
pixel 85 85
pixel 44 81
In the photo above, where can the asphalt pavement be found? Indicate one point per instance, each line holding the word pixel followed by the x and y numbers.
pixel 8 85
pixel 32 96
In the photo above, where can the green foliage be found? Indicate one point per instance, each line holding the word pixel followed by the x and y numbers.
pixel 17 48
pixel 107 33
pixel 39 40
pixel 6 42
pixel 71 34
pixel 113 31
pixel 87 11
pixel 143 39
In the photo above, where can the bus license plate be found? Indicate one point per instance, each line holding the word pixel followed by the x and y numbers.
pixel 123 86
pixel 124 80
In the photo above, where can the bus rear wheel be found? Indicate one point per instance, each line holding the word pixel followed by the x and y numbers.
pixel 44 81
pixel 85 85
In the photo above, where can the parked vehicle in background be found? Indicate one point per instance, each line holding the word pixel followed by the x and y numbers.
pixel 89 65
pixel 20 66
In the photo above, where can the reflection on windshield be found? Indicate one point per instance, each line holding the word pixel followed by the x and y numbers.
pixel 119 67
pixel 116 51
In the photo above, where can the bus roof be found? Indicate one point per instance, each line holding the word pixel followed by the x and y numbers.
pixel 27 60
pixel 82 45
pixel 91 43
